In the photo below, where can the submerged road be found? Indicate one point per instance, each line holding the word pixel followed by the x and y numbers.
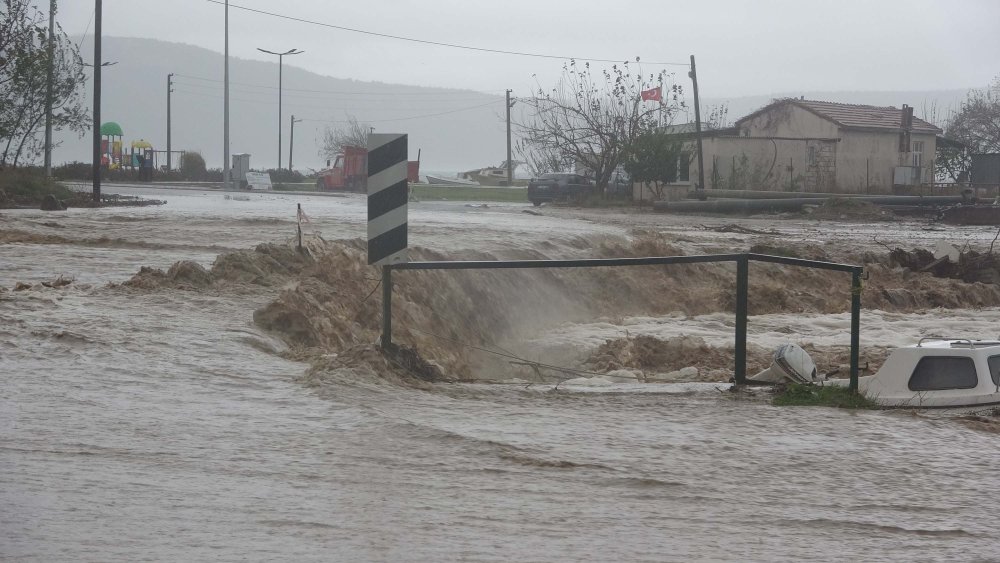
pixel 164 424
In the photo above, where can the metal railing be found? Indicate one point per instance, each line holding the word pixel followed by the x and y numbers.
pixel 742 289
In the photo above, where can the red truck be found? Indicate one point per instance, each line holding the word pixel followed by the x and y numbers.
pixel 350 171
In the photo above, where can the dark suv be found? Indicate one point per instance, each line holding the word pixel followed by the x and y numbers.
pixel 559 187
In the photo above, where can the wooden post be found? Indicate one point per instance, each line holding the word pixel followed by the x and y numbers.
pixel 510 165
pixel 386 341
pixel 697 127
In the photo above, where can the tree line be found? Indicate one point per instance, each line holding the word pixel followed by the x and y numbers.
pixel 26 56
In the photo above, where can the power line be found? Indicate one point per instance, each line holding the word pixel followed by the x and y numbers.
pixel 428 42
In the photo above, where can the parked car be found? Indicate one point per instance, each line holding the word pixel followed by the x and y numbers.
pixel 559 187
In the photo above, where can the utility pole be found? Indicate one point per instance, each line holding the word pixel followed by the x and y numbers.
pixel 170 88
pixel 510 165
pixel 225 111
pixel 48 88
pixel 281 58
pixel 291 141
pixel 97 102
pixel 697 127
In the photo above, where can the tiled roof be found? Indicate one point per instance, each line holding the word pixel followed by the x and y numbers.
pixel 855 116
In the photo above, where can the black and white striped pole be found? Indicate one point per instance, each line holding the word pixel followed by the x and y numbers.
pixel 387 196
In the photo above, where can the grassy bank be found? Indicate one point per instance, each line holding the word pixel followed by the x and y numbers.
pixel 797 395
pixel 20 188
pixel 467 193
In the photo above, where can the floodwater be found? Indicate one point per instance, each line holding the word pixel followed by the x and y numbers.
pixel 165 425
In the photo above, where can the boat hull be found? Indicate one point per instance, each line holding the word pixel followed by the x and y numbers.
pixel 448 181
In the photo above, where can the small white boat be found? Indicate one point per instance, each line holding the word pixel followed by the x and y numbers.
pixel 936 373
pixel 791 364
pixel 449 181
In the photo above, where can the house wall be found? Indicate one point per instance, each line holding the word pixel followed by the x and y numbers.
pixel 789 121
pixel 866 160
pixel 748 163
pixel 792 149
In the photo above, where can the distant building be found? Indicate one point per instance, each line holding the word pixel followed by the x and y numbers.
pixel 799 145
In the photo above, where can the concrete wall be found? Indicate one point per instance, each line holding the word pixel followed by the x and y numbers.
pixel 789 121
pixel 748 163
pixel 866 160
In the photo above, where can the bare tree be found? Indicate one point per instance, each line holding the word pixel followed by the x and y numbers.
pixel 975 127
pixel 351 133
pixel 594 119
pixel 977 122
pixel 24 65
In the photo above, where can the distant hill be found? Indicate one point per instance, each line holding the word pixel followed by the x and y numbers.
pixel 134 95
pixel 455 129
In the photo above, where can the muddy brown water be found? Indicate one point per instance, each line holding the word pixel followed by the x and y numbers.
pixel 165 425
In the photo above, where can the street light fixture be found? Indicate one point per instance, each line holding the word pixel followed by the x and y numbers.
pixel 281 57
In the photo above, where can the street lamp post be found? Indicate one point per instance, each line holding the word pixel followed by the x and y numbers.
pixel 291 141
pixel 281 57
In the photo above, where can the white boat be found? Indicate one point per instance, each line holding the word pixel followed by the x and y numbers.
pixel 791 364
pixel 449 181
pixel 493 176
pixel 936 373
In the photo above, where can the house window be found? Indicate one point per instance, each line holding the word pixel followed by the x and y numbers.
pixel 684 167
pixel 811 157
pixel 918 153
pixel 939 373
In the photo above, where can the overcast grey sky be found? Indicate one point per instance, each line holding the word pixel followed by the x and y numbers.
pixel 742 47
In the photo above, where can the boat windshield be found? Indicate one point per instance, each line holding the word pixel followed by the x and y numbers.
pixel 940 373
pixel 994 363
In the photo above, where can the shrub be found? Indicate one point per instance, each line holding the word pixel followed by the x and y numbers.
pixel 801 395
pixel 192 166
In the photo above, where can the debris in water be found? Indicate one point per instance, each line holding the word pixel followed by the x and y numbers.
pixel 21 286
pixel 734 228
pixel 58 282
pixel 532 212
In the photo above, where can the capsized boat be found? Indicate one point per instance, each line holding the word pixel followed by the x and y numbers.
pixel 936 373
pixel 493 176
pixel 449 181
pixel 791 364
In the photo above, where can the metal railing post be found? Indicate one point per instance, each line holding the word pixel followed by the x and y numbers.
pixel 386 341
pixel 855 325
pixel 742 284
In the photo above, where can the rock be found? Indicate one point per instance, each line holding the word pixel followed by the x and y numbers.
pixel 50 203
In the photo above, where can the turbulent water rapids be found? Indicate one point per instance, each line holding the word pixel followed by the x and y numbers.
pixel 231 408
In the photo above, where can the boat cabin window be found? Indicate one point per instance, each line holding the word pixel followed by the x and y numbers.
pixel 994 363
pixel 944 372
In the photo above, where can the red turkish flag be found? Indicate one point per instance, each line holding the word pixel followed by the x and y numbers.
pixel 654 94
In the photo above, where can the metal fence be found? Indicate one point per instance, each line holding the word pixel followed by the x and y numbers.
pixel 742 289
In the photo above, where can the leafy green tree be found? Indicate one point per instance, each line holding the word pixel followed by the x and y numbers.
pixel 192 166
pixel 24 67
pixel 654 159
